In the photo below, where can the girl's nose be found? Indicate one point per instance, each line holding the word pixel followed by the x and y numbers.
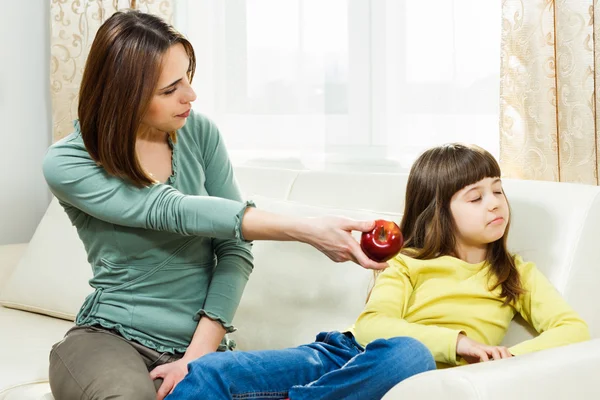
pixel 493 204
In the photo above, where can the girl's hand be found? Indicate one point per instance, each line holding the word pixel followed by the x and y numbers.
pixel 474 352
pixel 332 236
pixel 171 373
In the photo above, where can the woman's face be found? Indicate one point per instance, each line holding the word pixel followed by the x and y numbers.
pixel 170 106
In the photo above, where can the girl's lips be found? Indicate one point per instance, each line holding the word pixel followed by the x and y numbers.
pixel 185 114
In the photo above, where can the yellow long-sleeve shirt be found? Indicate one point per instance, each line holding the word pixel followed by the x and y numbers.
pixel 435 300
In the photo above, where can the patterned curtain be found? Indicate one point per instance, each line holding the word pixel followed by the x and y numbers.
pixel 549 79
pixel 74 24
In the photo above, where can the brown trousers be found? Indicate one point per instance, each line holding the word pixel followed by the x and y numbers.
pixel 93 363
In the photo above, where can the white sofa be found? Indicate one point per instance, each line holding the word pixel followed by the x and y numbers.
pixel 295 292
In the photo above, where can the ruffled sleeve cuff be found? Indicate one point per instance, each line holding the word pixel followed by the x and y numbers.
pixel 238 222
pixel 226 325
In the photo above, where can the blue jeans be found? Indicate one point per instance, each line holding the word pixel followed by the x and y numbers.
pixel 335 367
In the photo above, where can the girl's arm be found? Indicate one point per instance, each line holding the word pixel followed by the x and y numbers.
pixel 383 316
pixel 547 312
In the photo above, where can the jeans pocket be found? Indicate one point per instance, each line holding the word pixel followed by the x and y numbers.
pixel 339 339
pixel 352 340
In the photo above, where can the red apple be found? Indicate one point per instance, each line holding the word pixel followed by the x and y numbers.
pixel 383 242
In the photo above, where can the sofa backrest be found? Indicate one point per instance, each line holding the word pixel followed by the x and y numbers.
pixel 383 192
pixel 555 225
pixel 295 291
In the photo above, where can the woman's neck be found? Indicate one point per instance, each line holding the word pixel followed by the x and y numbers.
pixel 152 135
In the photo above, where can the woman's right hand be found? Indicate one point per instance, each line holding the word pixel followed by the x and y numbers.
pixel 330 235
pixel 474 352
pixel 333 237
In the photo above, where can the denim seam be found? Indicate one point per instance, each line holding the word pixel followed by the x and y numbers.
pixel 253 395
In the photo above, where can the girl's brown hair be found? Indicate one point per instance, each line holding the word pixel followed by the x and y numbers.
pixel 427 224
pixel 119 80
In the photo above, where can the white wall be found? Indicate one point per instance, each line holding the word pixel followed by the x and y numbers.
pixel 25 119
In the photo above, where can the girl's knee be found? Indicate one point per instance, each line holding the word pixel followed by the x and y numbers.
pixel 211 366
pixel 414 355
pixel 208 377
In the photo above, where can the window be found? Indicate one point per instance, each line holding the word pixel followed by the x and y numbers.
pixel 345 84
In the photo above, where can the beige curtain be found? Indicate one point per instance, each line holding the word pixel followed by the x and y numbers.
pixel 74 24
pixel 550 74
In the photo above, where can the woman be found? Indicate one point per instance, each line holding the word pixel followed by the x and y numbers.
pixel 149 186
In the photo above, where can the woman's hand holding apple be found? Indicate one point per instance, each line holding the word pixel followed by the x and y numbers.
pixel 332 236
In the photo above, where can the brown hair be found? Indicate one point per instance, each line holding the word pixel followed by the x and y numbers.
pixel 427 224
pixel 119 79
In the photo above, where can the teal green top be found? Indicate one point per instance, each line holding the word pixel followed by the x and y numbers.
pixel 162 255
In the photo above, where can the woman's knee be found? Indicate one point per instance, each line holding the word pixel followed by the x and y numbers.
pixel 76 374
pixel 66 384
pixel 62 382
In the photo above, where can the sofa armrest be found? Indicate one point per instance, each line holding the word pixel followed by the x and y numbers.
pixel 10 254
pixel 569 372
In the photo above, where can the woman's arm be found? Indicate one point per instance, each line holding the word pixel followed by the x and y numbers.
pixel 206 339
pixel 547 312
pixel 234 258
pixel 81 185
pixel 329 235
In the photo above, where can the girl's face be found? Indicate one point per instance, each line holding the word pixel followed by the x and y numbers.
pixel 171 103
pixel 480 213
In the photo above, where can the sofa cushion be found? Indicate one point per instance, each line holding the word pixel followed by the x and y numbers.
pixel 30 391
pixel 295 291
pixel 52 277
pixel 25 342
pixel 10 254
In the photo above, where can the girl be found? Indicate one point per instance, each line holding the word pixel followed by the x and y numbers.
pixel 150 188
pixel 454 288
